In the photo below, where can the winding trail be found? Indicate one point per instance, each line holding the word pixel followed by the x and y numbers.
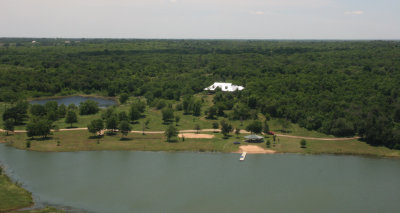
pixel 208 130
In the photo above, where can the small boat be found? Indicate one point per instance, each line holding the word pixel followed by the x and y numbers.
pixel 243 156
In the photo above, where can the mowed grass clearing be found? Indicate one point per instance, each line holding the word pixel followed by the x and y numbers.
pixel 12 196
pixel 82 140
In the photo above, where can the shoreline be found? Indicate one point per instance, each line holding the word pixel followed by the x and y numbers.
pixel 239 151
pixel 12 182
pixel 78 139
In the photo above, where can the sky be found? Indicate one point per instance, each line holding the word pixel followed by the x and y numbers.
pixel 201 19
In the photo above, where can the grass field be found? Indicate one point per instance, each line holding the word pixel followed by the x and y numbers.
pixel 83 141
pixel 12 196
pixel 156 123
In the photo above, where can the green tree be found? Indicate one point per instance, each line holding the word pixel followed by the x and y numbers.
pixel 71 118
pixel 51 106
pixel 52 115
pixel 95 126
pixel 108 113
pixel 241 111
pixel 124 128
pixel 38 127
pixel 62 111
pixel 303 143
pixel 268 143
pixel 37 110
pixel 215 125
pixel 8 125
pixel 134 113
pixel 123 98
pixel 197 108
pixel 122 116
pixel 167 114
pixel 112 123
pixel 212 112
pixel 170 132
pixel 226 128
pixel 254 127
pixel 18 112
pixel 177 119
pixel 72 107
pixel 88 107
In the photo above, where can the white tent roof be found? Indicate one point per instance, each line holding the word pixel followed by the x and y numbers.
pixel 226 87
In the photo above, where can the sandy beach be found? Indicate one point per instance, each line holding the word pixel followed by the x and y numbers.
pixel 253 149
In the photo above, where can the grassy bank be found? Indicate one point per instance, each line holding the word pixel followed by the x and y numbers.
pixel 12 196
pixel 83 141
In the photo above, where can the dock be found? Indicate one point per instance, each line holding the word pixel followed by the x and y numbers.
pixel 243 156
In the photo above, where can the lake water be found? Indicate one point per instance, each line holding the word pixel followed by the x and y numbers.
pixel 76 100
pixel 128 181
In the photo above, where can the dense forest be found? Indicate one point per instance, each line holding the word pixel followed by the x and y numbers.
pixel 342 88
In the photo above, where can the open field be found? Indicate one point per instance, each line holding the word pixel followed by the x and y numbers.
pixel 12 196
pixel 82 140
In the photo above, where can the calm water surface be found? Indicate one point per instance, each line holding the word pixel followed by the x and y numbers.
pixel 127 181
pixel 76 100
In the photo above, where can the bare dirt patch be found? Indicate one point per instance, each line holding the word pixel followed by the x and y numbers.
pixel 192 135
pixel 253 149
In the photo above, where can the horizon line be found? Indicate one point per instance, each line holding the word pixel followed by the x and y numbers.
pixel 259 39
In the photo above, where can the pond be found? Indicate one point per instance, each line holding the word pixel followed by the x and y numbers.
pixel 128 181
pixel 76 100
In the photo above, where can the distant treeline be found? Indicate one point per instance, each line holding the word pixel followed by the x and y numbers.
pixel 337 87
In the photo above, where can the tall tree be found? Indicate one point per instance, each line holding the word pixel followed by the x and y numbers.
pixel 112 123
pixel 123 98
pixel 255 127
pixel 124 128
pixel 88 107
pixel 226 127
pixel 38 127
pixel 95 126
pixel 8 125
pixel 71 118
pixel 134 113
pixel 170 132
pixel 167 114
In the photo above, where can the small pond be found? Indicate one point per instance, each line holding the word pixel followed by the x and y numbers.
pixel 76 100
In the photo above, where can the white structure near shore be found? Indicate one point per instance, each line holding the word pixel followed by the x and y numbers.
pixel 225 87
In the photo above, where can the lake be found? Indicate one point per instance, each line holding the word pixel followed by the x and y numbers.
pixel 76 100
pixel 132 181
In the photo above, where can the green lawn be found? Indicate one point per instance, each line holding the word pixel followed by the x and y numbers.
pixel 350 147
pixel 82 141
pixel 12 196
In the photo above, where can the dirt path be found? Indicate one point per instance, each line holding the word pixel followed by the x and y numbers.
pixel 193 135
pixel 209 130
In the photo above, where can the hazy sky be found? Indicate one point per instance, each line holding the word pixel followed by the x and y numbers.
pixel 232 19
